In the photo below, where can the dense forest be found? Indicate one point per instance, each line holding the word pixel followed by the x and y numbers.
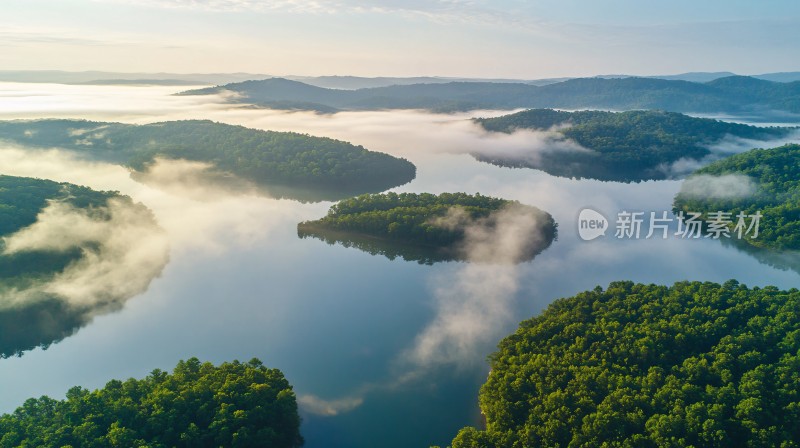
pixel 333 168
pixel 626 146
pixel 775 174
pixel 197 405
pixel 41 319
pixel 732 94
pixel 418 226
pixel 695 364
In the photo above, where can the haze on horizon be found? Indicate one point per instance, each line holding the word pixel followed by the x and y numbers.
pixel 459 38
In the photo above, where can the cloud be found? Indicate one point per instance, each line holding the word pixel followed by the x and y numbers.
pixel 733 145
pixel 328 408
pixel 727 186
pixel 474 301
pixel 196 180
pixel 443 11
pixel 724 147
pixel 684 166
pixel 122 251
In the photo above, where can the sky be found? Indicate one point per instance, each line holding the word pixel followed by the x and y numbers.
pixel 523 39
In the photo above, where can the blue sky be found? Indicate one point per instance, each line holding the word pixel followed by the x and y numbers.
pixel 471 38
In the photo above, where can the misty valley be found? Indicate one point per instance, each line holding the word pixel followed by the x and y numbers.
pixel 175 226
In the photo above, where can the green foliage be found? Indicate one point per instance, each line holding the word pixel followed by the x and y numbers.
pixel 776 175
pixel 264 157
pixel 198 405
pixel 627 146
pixel 695 364
pixel 410 225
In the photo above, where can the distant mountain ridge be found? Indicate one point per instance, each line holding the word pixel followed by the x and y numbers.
pixel 732 94
pixel 332 82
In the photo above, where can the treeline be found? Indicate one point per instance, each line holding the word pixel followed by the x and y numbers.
pixel 198 405
pixel 625 146
pixel 695 364
pixel 775 175
pixel 264 157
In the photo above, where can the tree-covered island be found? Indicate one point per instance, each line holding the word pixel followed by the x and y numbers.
pixel 428 228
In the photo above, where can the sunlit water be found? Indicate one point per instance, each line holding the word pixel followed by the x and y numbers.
pixel 344 326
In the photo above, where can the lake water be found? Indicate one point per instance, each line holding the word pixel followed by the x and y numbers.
pixel 381 353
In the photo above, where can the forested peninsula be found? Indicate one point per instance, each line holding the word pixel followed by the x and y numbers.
pixel 284 164
pixel 32 312
pixel 763 181
pixel 197 405
pixel 695 364
pixel 427 228
pixel 619 146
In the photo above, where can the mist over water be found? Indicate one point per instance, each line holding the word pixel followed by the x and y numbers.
pixel 374 348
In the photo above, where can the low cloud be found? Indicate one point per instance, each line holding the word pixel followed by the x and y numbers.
pixel 328 408
pixel 733 145
pixel 194 180
pixel 727 186
pixel 528 146
pixel 122 250
pixel 684 166
pixel 474 302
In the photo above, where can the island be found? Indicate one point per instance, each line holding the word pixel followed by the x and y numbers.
pixel 282 164
pixel 619 146
pixel 53 238
pixel 732 95
pixel 760 181
pixel 234 404
pixel 694 364
pixel 430 228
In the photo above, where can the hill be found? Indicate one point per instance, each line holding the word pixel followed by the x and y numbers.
pixel 721 95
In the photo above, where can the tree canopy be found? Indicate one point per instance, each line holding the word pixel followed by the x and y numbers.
pixel 625 146
pixel 415 226
pixel 332 168
pixel 692 365
pixel 198 405
pixel 775 177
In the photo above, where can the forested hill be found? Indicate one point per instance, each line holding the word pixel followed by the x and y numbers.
pixel 695 364
pixel 429 228
pixel 625 146
pixel 281 159
pixel 733 94
pixel 198 405
pixel 765 181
